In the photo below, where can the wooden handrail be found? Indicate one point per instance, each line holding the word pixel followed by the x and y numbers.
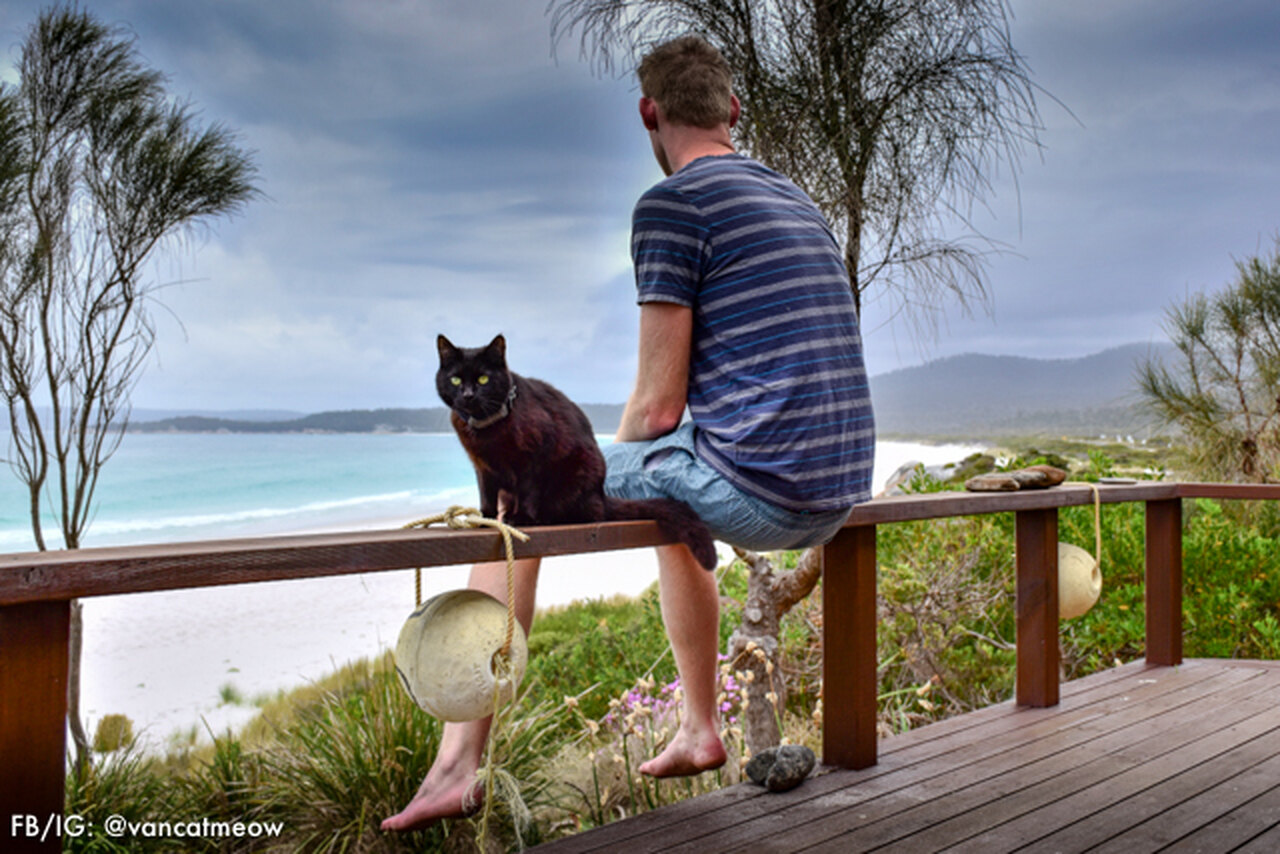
pixel 64 575
pixel 849 616
pixel 36 589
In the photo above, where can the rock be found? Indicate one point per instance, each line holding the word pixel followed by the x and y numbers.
pixel 759 765
pixel 1031 477
pixel 780 769
pixel 893 486
pixel 908 470
pixel 993 482
pixel 791 768
pixel 1039 477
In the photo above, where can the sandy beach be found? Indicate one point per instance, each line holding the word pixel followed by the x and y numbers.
pixel 163 658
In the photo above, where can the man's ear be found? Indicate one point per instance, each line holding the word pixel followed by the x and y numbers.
pixel 649 113
pixel 735 110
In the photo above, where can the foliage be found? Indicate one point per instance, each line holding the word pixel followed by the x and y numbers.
pixel 593 778
pixel 113 733
pixel 97 170
pixel 596 650
pixel 892 114
pixel 100 170
pixel 945 618
pixel 127 783
pixel 1224 393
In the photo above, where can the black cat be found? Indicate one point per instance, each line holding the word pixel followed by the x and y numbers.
pixel 534 452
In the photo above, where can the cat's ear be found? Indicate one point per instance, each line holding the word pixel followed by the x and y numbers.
pixel 445 347
pixel 498 347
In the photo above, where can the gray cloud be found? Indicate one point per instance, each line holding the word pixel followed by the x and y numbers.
pixel 430 168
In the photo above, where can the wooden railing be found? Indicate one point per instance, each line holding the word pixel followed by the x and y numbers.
pixel 36 590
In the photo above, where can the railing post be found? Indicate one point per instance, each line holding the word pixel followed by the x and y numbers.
pixel 1164 582
pixel 33 723
pixel 1036 550
pixel 849 681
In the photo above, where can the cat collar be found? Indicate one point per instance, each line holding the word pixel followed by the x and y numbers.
pixel 495 417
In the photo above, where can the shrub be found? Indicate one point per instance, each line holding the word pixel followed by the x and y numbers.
pixel 113 733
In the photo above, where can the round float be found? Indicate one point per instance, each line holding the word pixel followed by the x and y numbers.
pixel 447 655
pixel 1079 581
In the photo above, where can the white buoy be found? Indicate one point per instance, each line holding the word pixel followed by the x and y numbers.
pixel 446 655
pixel 1079 581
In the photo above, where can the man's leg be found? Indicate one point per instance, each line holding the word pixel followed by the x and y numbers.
pixel 691 612
pixel 452 778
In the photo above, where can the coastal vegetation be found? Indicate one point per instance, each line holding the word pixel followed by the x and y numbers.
pixel 1221 384
pixel 328 762
pixel 101 169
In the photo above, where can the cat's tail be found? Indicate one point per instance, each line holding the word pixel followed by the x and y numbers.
pixel 675 519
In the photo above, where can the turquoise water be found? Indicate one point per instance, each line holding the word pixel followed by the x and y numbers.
pixel 173 487
pixel 176 487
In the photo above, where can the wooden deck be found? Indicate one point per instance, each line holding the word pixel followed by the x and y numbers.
pixel 993 780
pixel 1140 758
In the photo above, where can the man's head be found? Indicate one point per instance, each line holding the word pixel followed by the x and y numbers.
pixel 690 81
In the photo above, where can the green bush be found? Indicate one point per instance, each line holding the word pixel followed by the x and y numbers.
pixel 595 650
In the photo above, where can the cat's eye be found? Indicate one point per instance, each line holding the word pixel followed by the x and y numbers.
pixel 456 380
pixel 482 379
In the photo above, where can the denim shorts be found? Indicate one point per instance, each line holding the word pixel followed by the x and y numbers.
pixel 668 467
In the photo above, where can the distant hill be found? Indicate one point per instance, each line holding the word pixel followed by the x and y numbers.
pixel 144 415
pixel 980 396
pixel 973 396
pixel 604 419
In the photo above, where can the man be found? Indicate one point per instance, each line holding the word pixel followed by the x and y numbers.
pixel 746 319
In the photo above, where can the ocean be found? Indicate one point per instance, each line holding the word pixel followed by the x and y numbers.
pixel 174 487
pixel 176 661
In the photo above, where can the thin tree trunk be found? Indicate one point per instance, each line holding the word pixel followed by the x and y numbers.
pixel 754 646
pixel 73 687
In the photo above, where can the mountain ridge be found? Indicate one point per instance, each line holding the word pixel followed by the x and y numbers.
pixel 971 395
pixel 980 394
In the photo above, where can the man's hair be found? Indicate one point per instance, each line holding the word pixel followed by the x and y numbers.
pixel 690 80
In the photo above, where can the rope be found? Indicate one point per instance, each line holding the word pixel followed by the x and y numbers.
pixel 464 518
pixel 1097 523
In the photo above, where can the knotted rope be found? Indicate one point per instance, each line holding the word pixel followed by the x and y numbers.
pixel 466 518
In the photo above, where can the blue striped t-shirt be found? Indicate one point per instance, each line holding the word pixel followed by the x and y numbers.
pixel 777 388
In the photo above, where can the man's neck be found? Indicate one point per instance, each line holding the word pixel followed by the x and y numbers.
pixel 710 151
pixel 684 145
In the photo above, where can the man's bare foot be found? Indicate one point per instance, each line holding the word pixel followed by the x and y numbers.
pixel 687 755
pixel 440 796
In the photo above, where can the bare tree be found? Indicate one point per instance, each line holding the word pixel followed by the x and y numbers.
pixel 892 114
pixel 1224 390
pixel 98 170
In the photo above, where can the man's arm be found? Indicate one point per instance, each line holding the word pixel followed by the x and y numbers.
pixel 662 381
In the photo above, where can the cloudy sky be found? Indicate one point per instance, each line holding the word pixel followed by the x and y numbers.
pixel 429 166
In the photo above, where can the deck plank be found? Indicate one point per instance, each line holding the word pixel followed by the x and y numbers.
pixel 1183 821
pixel 1027 780
pixel 1071 815
pixel 732 817
pixel 1135 759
